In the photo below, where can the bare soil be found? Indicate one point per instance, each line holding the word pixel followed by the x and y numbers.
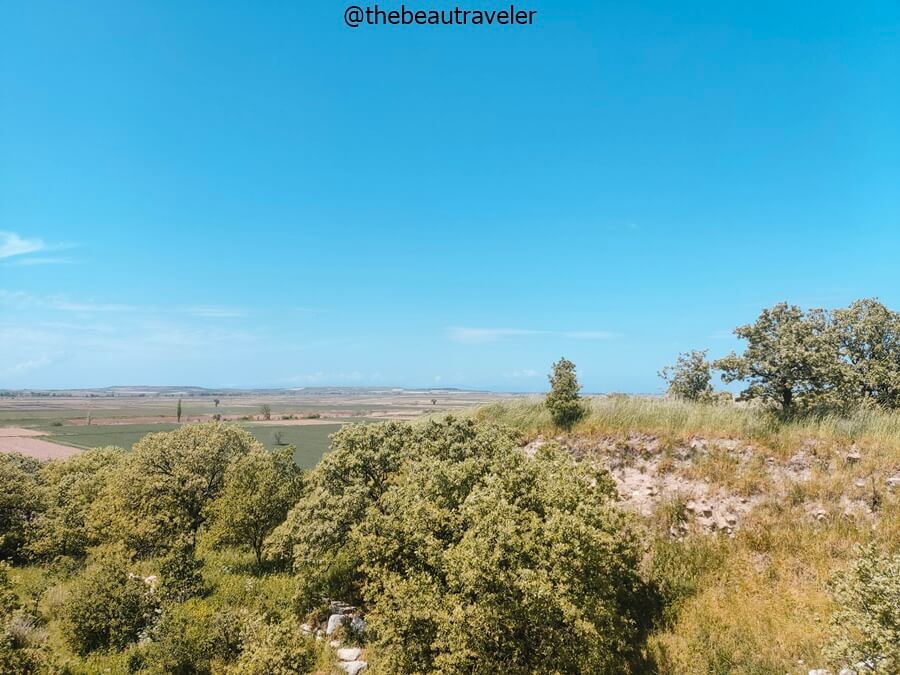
pixel 15 439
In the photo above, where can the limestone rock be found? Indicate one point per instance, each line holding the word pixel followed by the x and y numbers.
pixel 354 667
pixel 334 621
pixel 349 654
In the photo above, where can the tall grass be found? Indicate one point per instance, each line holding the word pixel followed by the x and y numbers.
pixel 674 419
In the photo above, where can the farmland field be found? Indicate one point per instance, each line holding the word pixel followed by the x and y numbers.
pixel 304 419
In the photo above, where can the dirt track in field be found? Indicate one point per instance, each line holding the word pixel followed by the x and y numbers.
pixel 15 439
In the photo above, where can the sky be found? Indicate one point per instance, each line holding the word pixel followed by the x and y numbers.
pixel 223 193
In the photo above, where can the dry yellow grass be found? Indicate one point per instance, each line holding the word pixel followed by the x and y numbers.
pixel 763 606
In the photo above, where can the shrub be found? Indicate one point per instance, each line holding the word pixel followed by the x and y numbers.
pixel 479 559
pixel 275 649
pixel 193 638
pixel 108 606
pixel 181 574
pixel 866 624
pixel 21 500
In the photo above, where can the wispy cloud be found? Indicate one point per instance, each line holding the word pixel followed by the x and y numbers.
pixel 525 373
pixel 18 251
pixel 65 303
pixel 467 335
pixel 28 365
pixel 11 244
pixel 479 335
pixel 29 261
pixel 215 312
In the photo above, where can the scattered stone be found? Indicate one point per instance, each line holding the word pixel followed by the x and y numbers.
pixel 821 515
pixel 818 671
pixel 893 482
pixel 860 483
pixel 349 654
pixel 354 667
pixel 691 506
pixel 334 644
pixel 334 621
pixel 846 671
pixel 852 457
pixel 358 624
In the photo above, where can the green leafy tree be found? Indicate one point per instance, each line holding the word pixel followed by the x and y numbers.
pixel 163 493
pixel 791 359
pixel 71 486
pixel 178 411
pixel 21 503
pixel 690 377
pixel 339 489
pixel 470 556
pixel 108 606
pixel 478 559
pixel 869 343
pixel 866 624
pixel 258 491
pixel 564 400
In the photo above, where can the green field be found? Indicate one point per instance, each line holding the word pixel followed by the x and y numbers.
pixel 311 440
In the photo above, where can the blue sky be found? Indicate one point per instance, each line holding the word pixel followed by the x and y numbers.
pixel 251 194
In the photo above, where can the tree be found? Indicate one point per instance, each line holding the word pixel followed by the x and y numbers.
pixel 478 559
pixel 434 401
pixel 216 402
pixel 347 480
pixel 564 401
pixel 791 359
pixel 71 486
pixel 178 411
pixel 866 624
pixel 21 502
pixel 258 491
pixel 266 411
pixel 690 377
pixel 164 490
pixel 868 334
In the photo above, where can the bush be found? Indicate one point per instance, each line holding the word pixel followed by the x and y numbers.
pixel 479 559
pixel 21 500
pixel 275 649
pixel 192 638
pixel 108 606
pixel 471 556
pixel 866 625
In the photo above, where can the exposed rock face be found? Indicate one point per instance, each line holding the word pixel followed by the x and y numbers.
pixel 354 667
